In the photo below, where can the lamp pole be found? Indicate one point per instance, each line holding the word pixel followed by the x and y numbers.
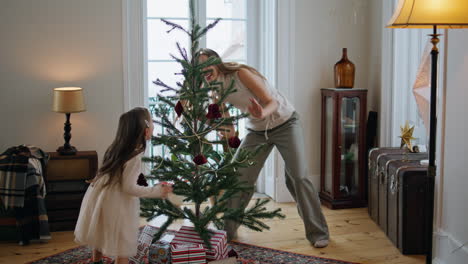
pixel 431 172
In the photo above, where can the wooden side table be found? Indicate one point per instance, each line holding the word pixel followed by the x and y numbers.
pixel 66 185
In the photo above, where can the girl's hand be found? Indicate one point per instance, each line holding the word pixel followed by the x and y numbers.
pixel 165 190
pixel 256 110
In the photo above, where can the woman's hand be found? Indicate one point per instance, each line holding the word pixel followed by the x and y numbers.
pixel 256 110
pixel 266 104
pixel 225 131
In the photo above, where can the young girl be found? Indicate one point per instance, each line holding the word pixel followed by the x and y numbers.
pixel 272 121
pixel 109 214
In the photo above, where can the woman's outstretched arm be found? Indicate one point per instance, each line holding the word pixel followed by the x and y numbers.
pixel 266 104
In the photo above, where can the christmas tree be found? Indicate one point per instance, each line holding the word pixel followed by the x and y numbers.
pixel 195 167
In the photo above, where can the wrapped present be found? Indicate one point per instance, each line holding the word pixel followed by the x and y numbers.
pixel 188 253
pixel 144 242
pixel 160 252
pixel 188 235
pixel 231 257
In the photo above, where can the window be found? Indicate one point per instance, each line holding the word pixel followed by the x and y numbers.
pixel 229 38
pixel 409 46
pixel 402 52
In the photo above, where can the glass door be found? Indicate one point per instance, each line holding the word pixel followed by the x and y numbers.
pixel 349 146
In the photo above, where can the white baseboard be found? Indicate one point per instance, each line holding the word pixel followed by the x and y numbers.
pixel 449 250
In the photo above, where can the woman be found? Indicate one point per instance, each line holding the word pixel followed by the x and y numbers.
pixel 274 122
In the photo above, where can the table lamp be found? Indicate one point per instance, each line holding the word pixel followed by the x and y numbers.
pixel 431 14
pixel 68 100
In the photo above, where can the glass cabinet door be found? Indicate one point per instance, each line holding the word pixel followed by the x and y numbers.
pixel 329 111
pixel 349 146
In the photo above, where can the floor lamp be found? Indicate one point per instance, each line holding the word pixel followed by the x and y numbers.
pixel 431 14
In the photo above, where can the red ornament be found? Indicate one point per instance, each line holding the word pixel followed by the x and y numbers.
pixel 213 111
pixel 234 142
pixel 200 159
pixel 142 180
pixel 179 108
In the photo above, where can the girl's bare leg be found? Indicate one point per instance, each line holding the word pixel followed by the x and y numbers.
pixel 121 260
pixel 97 255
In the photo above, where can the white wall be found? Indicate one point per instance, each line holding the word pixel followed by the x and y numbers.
pixel 323 28
pixel 453 229
pixel 53 43
pixel 374 55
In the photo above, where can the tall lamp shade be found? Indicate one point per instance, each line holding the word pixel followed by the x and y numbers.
pixel 68 100
pixel 428 13
pixel 449 14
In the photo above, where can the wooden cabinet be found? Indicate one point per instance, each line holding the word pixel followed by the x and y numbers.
pixel 66 185
pixel 343 148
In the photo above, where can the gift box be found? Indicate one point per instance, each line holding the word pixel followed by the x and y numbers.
pixel 188 253
pixel 231 257
pixel 143 244
pixel 188 235
pixel 160 252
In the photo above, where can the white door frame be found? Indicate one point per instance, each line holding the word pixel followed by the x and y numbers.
pixel 134 54
pixel 285 82
pixel 385 131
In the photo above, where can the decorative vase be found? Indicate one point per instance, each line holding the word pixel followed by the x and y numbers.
pixel 344 72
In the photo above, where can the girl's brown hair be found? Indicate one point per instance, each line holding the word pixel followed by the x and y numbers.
pixel 129 142
pixel 227 67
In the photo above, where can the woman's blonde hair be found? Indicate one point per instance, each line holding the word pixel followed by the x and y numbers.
pixel 227 68
pixel 129 141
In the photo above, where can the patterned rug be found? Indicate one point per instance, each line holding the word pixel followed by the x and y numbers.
pixel 248 254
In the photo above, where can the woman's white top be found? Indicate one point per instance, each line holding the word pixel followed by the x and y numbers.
pixel 240 99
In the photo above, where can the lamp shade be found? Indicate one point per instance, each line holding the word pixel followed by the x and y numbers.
pixel 428 13
pixel 68 100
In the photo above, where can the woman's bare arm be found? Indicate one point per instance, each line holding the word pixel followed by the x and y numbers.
pixel 266 104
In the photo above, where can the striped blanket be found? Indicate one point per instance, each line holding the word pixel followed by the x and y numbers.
pixel 22 189
pixel 13 169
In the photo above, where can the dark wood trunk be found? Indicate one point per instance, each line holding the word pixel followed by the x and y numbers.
pixel 406 208
pixel 373 181
pixel 397 189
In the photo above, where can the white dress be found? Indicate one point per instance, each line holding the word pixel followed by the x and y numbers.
pixel 109 216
